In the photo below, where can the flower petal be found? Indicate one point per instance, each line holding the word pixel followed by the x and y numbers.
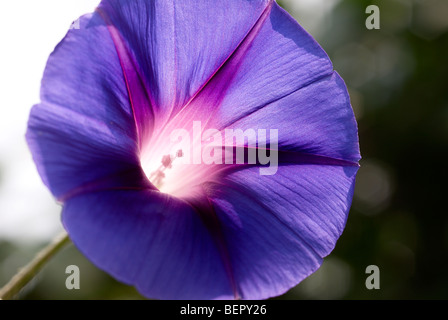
pixel 135 63
pixel 278 228
pixel 180 44
pixel 277 58
pixel 151 240
pixel 317 119
pixel 82 135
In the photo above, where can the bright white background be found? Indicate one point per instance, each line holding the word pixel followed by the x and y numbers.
pixel 29 31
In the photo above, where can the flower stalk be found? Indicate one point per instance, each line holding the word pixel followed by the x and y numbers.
pixel 27 273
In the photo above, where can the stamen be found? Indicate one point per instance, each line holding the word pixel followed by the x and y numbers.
pixel 156 177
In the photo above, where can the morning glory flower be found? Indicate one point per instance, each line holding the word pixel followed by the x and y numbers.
pixel 201 149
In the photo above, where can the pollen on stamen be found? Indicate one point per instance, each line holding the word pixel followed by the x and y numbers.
pixel 157 176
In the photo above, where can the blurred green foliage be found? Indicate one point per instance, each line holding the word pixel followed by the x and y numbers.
pixel 399 222
pixel 396 78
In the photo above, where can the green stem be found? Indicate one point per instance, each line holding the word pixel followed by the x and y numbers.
pixel 28 272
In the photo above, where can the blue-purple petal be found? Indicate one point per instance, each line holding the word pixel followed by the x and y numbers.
pixel 114 86
pixel 278 228
pixel 317 119
pixel 180 44
pixel 151 240
pixel 282 58
pixel 82 134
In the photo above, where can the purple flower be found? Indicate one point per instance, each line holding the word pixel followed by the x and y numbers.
pixel 153 214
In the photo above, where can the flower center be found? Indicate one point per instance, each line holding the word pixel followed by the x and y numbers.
pixel 157 177
pixel 170 168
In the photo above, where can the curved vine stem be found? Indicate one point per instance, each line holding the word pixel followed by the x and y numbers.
pixel 25 274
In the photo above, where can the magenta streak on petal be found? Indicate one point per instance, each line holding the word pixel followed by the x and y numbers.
pixel 267 104
pixel 203 105
pixel 132 179
pixel 268 209
pixel 208 98
pixel 204 207
pixel 139 96
pixel 175 59
pixel 285 158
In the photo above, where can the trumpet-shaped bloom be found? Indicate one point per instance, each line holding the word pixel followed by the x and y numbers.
pixel 174 218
